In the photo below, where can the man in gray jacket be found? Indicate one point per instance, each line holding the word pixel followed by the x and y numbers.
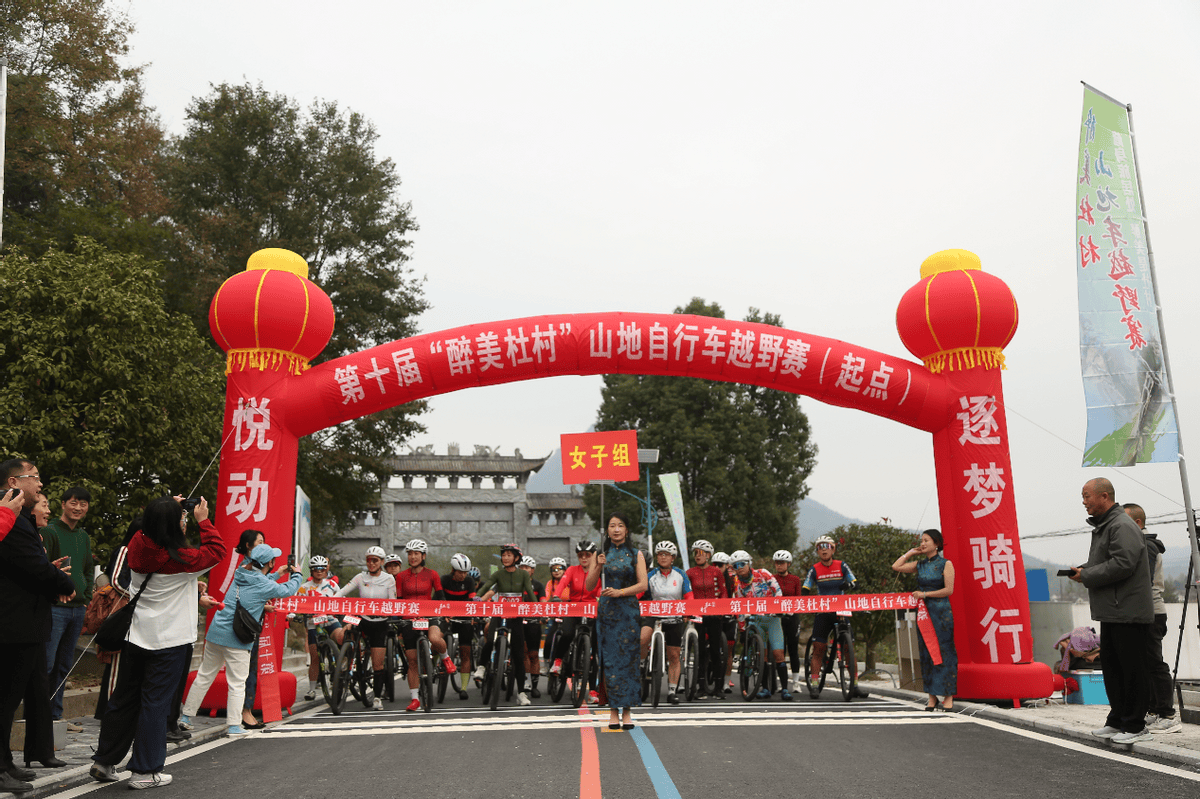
pixel 1117 576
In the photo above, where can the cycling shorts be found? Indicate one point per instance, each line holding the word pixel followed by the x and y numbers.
pixel 329 627
pixel 375 632
pixel 465 631
pixel 533 635
pixel 773 628
pixel 672 630
pixel 410 636
pixel 823 625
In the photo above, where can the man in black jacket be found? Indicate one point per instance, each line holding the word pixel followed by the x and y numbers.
pixel 29 584
pixel 1117 576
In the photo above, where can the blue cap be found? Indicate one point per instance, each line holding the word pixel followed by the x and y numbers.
pixel 263 554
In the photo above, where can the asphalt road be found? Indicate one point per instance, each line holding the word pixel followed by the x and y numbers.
pixel 879 747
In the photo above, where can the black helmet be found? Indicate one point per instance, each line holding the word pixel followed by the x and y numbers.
pixel 511 548
pixel 585 546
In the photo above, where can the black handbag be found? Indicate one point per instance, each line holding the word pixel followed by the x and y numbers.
pixel 245 626
pixel 115 629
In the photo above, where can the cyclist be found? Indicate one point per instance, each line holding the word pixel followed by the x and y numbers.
pixel 392 564
pixel 319 583
pixel 708 582
pixel 510 584
pixel 475 574
pixel 752 583
pixel 533 631
pixel 418 582
pixel 574 590
pixel 789 584
pixel 721 561
pixel 459 586
pixel 373 584
pixel 553 593
pixel 667 583
pixel 828 577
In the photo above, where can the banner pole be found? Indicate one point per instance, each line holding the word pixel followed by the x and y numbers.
pixel 1162 333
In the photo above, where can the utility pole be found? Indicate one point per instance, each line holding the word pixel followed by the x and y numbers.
pixel 3 117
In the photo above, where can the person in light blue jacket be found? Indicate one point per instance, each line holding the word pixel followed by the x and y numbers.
pixel 252 589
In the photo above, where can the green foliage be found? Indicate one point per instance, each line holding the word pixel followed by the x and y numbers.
pixel 869 550
pixel 743 452
pixel 82 147
pixel 253 170
pixel 102 386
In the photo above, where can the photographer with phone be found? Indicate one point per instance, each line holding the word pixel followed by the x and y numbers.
pixel 29 584
pixel 65 537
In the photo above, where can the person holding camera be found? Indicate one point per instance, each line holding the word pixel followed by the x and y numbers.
pixel 225 643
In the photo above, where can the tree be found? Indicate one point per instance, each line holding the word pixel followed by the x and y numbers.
pixel 869 550
pixel 103 387
pixel 743 452
pixel 253 170
pixel 83 149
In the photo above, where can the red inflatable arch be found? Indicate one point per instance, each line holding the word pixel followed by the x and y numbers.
pixel 272 321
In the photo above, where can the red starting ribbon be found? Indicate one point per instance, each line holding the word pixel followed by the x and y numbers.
pixel 314 604
pixel 928 633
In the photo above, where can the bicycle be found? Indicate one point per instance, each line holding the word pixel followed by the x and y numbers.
pixel 839 652
pixel 498 673
pixel 750 664
pixel 327 670
pixel 353 667
pixel 442 678
pixel 580 662
pixel 654 665
pixel 425 667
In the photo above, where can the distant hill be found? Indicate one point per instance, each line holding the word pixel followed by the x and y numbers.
pixel 814 520
pixel 548 479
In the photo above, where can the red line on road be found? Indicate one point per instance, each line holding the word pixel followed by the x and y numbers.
pixel 589 766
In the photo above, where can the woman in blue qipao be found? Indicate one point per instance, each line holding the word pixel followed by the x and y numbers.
pixel 935 584
pixel 624 577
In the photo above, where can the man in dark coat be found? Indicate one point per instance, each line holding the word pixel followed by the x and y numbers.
pixel 29 584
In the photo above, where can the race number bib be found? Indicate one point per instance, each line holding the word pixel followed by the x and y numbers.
pixel 420 624
pixel 351 619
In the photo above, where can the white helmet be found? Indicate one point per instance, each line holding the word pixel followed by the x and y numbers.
pixel 825 540
pixel 529 561
pixel 392 558
pixel 782 554
pixel 417 545
pixel 318 562
pixel 720 558
pixel 559 562
pixel 460 562
pixel 376 552
pixel 666 546
pixel 740 556
pixel 703 546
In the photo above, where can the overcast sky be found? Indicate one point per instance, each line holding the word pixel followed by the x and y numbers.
pixel 802 158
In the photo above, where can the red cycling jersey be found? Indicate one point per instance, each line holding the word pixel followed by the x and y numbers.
pixel 707 582
pixel 572 585
pixel 789 584
pixel 422 585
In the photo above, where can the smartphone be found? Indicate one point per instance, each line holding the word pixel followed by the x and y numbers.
pixel 66 564
pixel 1065 572
pixel 11 494
pixel 291 560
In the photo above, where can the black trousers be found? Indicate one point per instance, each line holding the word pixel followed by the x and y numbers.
pixel 1125 664
pixel 1162 699
pixel 23 678
pixel 139 706
pixel 711 651
pixel 791 641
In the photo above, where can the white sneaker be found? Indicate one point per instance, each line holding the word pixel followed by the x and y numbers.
pixel 311 695
pixel 377 704
pixel 185 723
pixel 1165 725
pixel 1131 737
pixel 1106 732
pixel 1150 718
pixel 523 698
pixel 156 780
pixel 479 673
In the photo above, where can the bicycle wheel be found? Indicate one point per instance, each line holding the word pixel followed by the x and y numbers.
pixel 443 682
pixel 847 667
pixel 326 664
pixel 353 661
pixel 556 684
pixel 658 668
pixel 363 672
pixel 751 666
pixel 581 662
pixel 499 658
pixel 342 678
pixel 714 680
pixel 690 659
pixel 425 674
pixel 389 672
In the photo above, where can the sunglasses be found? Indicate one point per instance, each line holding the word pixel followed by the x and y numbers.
pixel 741 564
pixel 824 546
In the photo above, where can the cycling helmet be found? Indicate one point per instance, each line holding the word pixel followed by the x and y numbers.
pixel 460 562
pixel 782 554
pixel 417 545
pixel 720 558
pixel 392 558
pixel 318 562
pixel 376 552
pixel 825 540
pixel 559 562
pixel 529 561
pixel 666 546
pixel 512 548
pixel 703 546
pixel 585 546
pixel 474 572
pixel 740 556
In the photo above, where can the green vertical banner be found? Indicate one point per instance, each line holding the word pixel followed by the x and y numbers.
pixel 1130 418
pixel 674 494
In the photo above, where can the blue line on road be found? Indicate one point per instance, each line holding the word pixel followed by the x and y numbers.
pixel 664 786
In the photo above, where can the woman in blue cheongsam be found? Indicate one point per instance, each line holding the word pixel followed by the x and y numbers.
pixel 624 577
pixel 935 584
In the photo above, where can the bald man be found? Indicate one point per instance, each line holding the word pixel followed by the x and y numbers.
pixel 1117 576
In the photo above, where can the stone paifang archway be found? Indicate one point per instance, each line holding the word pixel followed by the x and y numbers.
pixel 271 321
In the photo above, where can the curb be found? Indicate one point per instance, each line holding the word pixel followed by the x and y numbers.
pixel 992 713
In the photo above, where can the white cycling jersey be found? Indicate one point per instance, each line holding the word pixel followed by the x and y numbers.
pixel 382 586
